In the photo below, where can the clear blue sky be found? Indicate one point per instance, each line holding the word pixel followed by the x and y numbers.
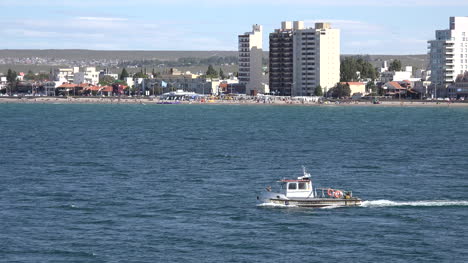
pixel 367 26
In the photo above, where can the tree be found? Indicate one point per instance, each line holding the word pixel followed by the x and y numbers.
pixel 370 87
pixel 11 76
pixel 140 75
pixel 30 76
pixel 11 79
pixel 351 65
pixel 106 80
pixel 211 72
pixel 395 65
pixel 221 74
pixel 124 74
pixel 341 90
pixel 318 91
pixel 348 69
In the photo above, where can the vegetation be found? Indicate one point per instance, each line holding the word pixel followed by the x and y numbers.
pixel 124 74
pixel 181 62
pixel 221 74
pixel 107 80
pixel 395 65
pixel 371 88
pixel 31 76
pixel 141 74
pixel 351 65
pixel 11 76
pixel 211 72
pixel 340 91
pixel 318 91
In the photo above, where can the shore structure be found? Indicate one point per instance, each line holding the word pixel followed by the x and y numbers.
pixel 449 56
pixel 250 60
pixel 303 58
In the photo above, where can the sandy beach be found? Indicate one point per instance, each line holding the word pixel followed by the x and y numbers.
pixel 113 100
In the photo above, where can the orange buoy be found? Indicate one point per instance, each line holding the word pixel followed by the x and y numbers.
pixel 338 194
pixel 330 192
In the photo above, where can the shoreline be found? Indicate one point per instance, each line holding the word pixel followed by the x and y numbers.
pixel 151 101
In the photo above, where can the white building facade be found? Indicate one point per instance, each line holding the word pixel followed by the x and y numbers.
pixel 449 54
pixel 315 56
pixel 250 60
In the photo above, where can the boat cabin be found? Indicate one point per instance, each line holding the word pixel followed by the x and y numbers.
pixel 301 188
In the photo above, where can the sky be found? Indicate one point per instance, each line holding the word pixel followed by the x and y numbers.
pixel 367 26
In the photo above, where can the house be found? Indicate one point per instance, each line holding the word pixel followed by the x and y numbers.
pixel 400 89
pixel 356 87
pixel 70 89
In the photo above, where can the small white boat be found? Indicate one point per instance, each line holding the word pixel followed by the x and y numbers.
pixel 300 192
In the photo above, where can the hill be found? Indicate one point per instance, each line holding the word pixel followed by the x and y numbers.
pixel 44 60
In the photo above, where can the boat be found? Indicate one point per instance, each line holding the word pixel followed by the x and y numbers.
pixel 301 193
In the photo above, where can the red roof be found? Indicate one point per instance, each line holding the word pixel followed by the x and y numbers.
pixel 395 84
pixel 107 89
pixel 67 85
pixel 93 88
pixel 82 85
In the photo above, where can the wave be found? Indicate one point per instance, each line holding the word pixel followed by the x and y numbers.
pixel 428 203
pixel 274 205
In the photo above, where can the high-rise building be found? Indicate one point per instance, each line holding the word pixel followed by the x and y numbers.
pixel 448 54
pixel 303 58
pixel 250 59
pixel 281 60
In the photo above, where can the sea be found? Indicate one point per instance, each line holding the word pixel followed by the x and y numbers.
pixel 178 183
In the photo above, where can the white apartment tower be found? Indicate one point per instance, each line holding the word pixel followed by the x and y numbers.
pixel 250 59
pixel 449 53
pixel 303 58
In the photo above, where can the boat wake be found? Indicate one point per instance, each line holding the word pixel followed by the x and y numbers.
pixel 274 205
pixel 428 203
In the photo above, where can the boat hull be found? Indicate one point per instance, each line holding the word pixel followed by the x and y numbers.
pixel 316 202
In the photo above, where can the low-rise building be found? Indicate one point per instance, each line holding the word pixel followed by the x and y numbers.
pixel 65 74
pixel 459 89
pixel 400 89
pixel 356 87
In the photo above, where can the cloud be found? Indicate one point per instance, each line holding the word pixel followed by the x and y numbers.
pixel 95 32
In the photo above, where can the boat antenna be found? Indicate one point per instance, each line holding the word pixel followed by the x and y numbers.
pixel 305 173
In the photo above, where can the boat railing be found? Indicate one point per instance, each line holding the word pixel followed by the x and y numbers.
pixel 330 193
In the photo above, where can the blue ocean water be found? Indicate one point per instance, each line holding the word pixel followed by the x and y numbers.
pixel 178 183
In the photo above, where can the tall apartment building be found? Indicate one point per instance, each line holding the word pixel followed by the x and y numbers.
pixel 449 54
pixel 303 58
pixel 250 59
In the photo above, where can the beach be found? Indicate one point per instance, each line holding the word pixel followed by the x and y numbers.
pixel 146 100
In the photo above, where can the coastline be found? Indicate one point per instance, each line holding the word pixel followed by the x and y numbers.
pixel 145 101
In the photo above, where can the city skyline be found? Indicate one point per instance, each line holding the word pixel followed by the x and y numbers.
pixel 367 27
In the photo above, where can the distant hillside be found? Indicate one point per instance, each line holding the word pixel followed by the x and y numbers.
pixel 416 61
pixel 44 60
pixel 78 54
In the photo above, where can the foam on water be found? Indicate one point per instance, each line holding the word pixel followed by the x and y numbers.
pixel 274 205
pixel 389 203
